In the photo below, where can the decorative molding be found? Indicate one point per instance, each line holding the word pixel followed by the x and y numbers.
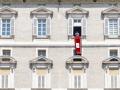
pixel 112 62
pixel 77 10
pixel 7 11
pixel 41 62
pixel 41 11
pixel 7 61
pixel 115 11
pixel 77 62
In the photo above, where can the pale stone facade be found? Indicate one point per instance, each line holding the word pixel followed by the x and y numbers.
pixel 59 47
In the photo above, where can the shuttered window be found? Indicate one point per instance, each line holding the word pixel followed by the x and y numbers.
pixel 6 27
pixel 77 23
pixel 41 27
pixel 112 27
pixel 41 81
pixel 4 81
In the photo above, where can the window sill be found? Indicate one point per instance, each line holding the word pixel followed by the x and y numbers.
pixel 40 88
pixel 7 37
pixel 72 37
pixel 41 37
pixel 112 37
pixel 111 88
pixel 77 89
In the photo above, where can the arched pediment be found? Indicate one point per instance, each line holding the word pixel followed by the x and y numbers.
pixel 111 10
pixel 41 62
pixel 77 10
pixel 7 10
pixel 41 10
pixel 7 61
pixel 113 62
pixel 77 61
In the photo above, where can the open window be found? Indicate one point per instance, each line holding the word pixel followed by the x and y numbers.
pixel 77 22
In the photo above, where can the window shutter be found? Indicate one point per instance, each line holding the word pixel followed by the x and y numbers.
pixel 48 26
pixel 84 26
pixel 35 26
pixel 106 26
pixel 0 26
pixel 119 26
pixel 12 26
pixel 70 26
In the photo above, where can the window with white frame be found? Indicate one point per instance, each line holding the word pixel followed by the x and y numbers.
pixel 77 25
pixel 112 28
pixel 6 78
pixel 113 52
pixel 41 78
pixel 7 18
pixel 77 79
pixel 112 78
pixel 41 30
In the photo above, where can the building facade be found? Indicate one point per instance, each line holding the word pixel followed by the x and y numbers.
pixel 37 45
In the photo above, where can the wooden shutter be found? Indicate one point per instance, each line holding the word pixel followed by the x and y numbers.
pixel 12 26
pixel 106 26
pixel 48 21
pixel 84 26
pixel 35 26
pixel 70 26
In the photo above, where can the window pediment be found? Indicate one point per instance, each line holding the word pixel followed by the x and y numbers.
pixel 112 62
pixel 111 11
pixel 77 62
pixel 7 11
pixel 7 61
pixel 77 10
pixel 41 62
pixel 41 11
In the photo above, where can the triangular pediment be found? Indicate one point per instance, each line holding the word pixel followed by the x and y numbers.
pixel 77 10
pixel 112 59
pixel 41 10
pixel 112 10
pixel 7 10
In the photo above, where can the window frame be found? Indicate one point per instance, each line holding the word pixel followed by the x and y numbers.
pixel 11 53
pixel 46 49
pixel 118 51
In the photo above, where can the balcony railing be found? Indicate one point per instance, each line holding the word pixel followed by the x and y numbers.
pixel 41 89
pixel 77 89
pixel 7 88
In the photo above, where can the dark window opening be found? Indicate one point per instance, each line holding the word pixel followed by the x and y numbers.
pixel 5 59
pixel 77 59
pixel 114 59
pixel 76 30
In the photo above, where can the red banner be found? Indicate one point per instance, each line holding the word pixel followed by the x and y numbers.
pixel 77 41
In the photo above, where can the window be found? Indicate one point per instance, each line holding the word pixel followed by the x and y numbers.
pixel 41 23
pixel 42 53
pixel 112 78
pixel 77 25
pixel 6 78
pixel 7 18
pixel 6 52
pixel 113 27
pixel 4 81
pixel 77 81
pixel 41 81
pixel 6 27
pixel 41 27
pixel 113 52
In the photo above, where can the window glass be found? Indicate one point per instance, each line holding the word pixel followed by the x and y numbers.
pixel 6 27
pixel 42 27
pixel 6 52
pixel 42 53
pixel 113 52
